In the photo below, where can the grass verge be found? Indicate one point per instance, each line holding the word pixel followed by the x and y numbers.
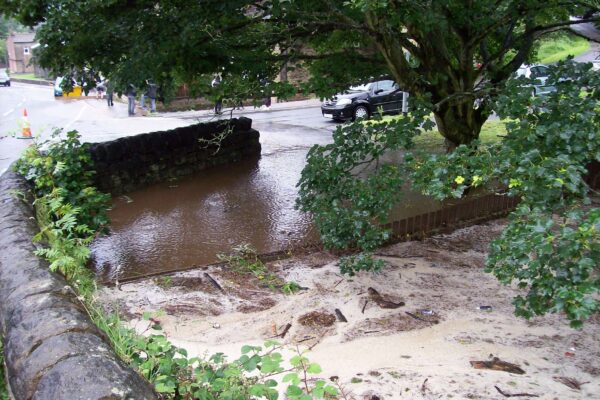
pixel 431 141
pixel 30 77
pixel 559 46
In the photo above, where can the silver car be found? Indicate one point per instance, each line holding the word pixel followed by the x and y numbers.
pixel 540 73
pixel 4 78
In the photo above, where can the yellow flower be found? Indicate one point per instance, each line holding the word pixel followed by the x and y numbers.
pixel 476 180
pixel 459 180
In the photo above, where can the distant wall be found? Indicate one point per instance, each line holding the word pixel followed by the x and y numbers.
pixel 133 162
pixel 52 349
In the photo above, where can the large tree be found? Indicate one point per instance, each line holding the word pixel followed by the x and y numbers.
pixel 455 51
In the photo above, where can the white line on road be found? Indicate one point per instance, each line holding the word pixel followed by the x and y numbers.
pixel 8 112
pixel 67 126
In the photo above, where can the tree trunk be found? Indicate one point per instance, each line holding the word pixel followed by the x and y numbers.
pixel 459 122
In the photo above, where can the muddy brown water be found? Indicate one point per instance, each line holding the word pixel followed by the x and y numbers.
pixel 187 223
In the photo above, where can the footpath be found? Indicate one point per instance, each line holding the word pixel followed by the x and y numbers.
pixel 275 107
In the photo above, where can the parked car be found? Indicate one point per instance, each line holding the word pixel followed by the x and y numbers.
pixel 540 73
pixel 4 78
pixel 364 101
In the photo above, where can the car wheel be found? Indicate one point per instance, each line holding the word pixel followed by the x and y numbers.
pixel 361 112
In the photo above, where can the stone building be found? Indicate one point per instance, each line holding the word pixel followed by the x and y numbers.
pixel 19 47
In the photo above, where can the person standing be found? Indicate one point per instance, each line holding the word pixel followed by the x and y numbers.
pixel 151 92
pixel 130 93
pixel 219 103
pixel 110 89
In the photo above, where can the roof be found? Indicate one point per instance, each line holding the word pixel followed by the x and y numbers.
pixel 23 37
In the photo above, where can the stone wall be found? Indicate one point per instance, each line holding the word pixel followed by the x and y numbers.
pixel 52 349
pixel 133 162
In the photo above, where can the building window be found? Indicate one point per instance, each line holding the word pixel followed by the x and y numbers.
pixel 25 50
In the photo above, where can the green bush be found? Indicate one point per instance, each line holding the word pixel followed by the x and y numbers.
pixel 551 245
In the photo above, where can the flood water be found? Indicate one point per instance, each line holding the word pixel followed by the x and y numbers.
pixel 188 222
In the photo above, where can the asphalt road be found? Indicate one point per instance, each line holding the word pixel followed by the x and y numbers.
pixel 285 125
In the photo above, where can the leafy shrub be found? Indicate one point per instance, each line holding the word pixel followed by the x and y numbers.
pixel 551 246
pixel 66 164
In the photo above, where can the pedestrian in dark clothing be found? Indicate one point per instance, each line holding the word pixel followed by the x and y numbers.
pixel 267 99
pixel 219 103
pixel 130 93
pixel 110 89
pixel 151 93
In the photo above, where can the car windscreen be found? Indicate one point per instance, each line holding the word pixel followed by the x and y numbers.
pixel 360 88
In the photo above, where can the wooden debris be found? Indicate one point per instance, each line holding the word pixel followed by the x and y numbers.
pixel 306 339
pixel 497 364
pixel 570 382
pixel 505 394
pixel 285 330
pixel 337 283
pixel 215 283
pixel 427 319
pixel 415 316
pixel 340 316
pixel 424 387
pixel 378 299
pixel 364 306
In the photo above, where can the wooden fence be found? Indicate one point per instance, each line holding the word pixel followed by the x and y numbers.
pixel 469 212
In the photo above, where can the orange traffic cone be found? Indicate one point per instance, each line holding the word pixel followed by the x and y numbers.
pixel 26 129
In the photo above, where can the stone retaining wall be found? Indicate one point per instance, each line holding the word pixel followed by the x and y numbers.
pixel 134 162
pixel 52 349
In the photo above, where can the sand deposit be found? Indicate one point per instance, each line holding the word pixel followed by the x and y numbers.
pixel 412 329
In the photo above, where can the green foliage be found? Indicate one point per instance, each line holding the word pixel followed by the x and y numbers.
pixel 244 260
pixel 3 385
pixel 70 210
pixel 66 164
pixel 454 51
pixel 349 188
pixel 551 245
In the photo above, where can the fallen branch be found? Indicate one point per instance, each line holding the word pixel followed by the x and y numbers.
pixel 378 299
pixel 285 330
pixel 337 283
pixel 497 364
pixel 415 316
pixel 515 394
pixel 215 283
pixel 570 382
pixel 364 306
pixel 424 386
pixel 340 316
pixel 306 339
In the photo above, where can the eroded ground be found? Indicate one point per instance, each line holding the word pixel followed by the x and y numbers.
pixel 411 331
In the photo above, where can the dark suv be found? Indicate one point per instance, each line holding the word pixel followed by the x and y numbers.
pixel 363 101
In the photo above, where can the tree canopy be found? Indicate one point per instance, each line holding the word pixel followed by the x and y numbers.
pixel 454 51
